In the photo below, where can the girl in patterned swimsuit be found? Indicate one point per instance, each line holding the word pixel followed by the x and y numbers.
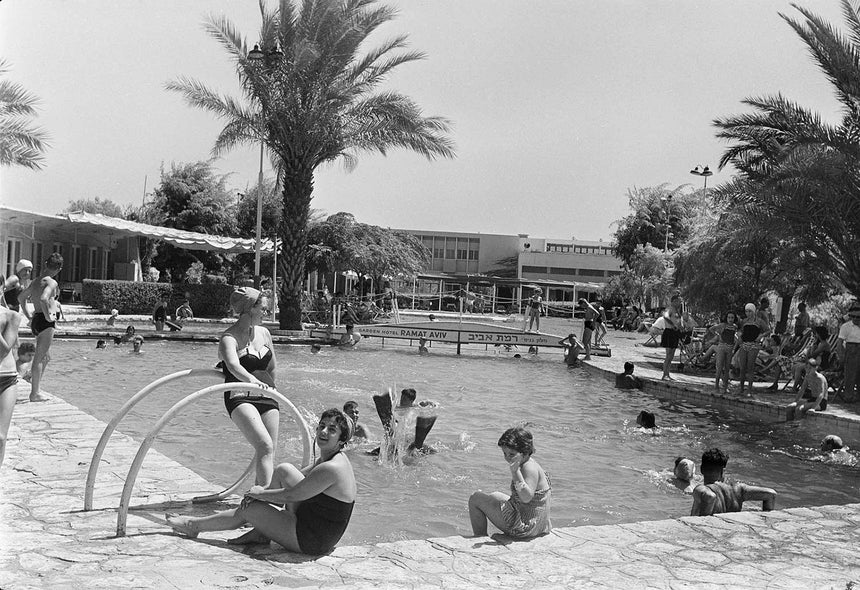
pixel 525 513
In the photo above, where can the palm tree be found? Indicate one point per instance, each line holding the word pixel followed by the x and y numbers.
pixel 21 144
pixel 800 172
pixel 310 97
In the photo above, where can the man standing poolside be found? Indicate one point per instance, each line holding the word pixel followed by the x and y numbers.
pixel 848 350
pixel 714 496
pixel 43 292
pixel 588 325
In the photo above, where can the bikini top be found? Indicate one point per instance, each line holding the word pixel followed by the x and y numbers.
pixel 250 360
pixel 727 336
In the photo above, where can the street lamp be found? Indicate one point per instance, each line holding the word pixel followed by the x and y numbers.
pixel 704 172
pixel 667 202
pixel 256 55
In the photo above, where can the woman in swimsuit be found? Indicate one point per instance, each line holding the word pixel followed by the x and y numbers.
pixel 535 308
pixel 753 332
pixel 246 354
pixel 525 513
pixel 9 324
pixel 319 499
pixel 727 331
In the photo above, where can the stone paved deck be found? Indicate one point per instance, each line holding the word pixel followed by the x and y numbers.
pixel 47 541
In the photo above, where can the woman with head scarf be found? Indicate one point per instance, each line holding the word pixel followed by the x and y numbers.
pixel 247 355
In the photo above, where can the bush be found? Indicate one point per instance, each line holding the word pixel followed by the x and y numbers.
pixel 212 300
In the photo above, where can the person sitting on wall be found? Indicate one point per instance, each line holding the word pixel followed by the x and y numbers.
pixel 627 380
pixel 714 496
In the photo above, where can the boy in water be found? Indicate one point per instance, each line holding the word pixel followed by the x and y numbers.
pixel 350 408
pixel 714 496
pixel 43 293
pixel 627 380
pixel 572 349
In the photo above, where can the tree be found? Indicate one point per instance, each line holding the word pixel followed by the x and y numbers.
pixel 800 174
pixel 660 217
pixel 21 144
pixel 192 198
pixel 341 243
pixel 309 96
pixel 647 276
pixel 97 205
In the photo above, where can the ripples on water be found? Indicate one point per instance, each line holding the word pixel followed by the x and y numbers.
pixel 604 469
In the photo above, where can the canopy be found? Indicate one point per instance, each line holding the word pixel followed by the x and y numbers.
pixel 183 239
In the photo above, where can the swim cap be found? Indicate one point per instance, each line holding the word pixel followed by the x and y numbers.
pixel 685 469
pixel 114 312
pixel 22 264
pixel 243 299
pixel 831 442
pixel 750 307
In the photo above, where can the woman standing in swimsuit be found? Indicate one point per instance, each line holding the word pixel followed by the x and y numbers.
pixel 246 354
pixel 754 330
pixel 319 499
pixel 535 308
pixel 727 331
pixel 9 323
pixel 525 513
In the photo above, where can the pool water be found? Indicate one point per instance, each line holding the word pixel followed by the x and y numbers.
pixel 603 468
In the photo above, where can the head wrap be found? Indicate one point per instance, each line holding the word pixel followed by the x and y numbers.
pixel 22 264
pixel 750 307
pixel 243 299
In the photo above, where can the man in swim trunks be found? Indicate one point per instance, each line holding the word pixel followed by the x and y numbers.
pixel 714 496
pixel 817 386
pixel 572 349
pixel 588 326
pixel 43 293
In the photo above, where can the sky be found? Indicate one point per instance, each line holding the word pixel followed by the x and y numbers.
pixel 557 107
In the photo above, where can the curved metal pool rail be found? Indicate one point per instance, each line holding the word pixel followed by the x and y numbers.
pixel 122 514
pixel 125 409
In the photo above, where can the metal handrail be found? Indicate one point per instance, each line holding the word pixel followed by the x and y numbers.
pixel 125 409
pixel 133 471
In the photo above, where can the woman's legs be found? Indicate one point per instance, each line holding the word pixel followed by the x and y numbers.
pixel 722 366
pixel 7 406
pixel 257 432
pixel 484 506
pixel 667 362
pixel 586 341
pixel 748 366
pixel 268 521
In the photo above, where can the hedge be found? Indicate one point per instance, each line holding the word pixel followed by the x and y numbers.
pixel 208 301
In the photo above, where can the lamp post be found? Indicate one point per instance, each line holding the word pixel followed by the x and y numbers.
pixel 704 172
pixel 263 59
pixel 667 202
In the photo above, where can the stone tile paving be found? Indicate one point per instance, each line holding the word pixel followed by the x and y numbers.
pixel 48 541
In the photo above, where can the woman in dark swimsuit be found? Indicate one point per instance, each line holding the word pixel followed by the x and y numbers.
pixel 245 350
pixel 319 499
pixel 753 332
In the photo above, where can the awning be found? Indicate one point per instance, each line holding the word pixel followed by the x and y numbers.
pixel 183 239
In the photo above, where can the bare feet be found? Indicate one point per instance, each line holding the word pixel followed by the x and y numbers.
pixel 252 537
pixel 182 525
pixel 39 397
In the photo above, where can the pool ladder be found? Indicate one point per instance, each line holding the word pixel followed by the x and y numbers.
pixel 147 443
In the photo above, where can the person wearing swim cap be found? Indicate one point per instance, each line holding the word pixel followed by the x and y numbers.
pixel 16 283
pixel 830 443
pixel 684 472
pixel 246 352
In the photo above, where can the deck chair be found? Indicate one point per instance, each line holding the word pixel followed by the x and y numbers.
pixel 653 335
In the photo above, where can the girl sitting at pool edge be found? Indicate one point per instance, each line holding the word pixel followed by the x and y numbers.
pixel 318 499
pixel 525 513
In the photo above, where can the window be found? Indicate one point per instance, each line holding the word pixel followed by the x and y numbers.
pixel 590 272
pixel 473 255
pixel 450 248
pixel 474 248
pixel 563 271
pixel 535 269
pixel 93 264
pixel 462 249
pixel 13 255
pixel 76 263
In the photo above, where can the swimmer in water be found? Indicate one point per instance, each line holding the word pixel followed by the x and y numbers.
pixel 714 496
pixel 422 346
pixel 423 424
pixel 836 452
pixel 137 344
pixel 627 380
pixel 572 349
pixel 646 419
pixel 350 408
pixel 315 348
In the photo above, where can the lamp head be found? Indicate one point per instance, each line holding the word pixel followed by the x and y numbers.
pixel 255 54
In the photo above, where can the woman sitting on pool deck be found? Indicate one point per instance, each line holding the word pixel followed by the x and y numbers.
pixel 246 354
pixel 319 499
pixel 525 513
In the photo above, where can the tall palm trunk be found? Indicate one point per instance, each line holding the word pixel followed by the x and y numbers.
pixel 298 185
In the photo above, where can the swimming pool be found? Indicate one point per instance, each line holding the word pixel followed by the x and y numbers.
pixel 603 470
